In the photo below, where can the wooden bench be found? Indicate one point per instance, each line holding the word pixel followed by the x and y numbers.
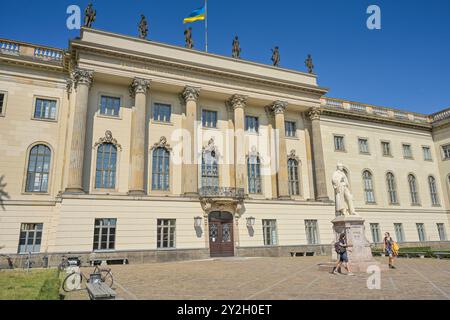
pixel 302 254
pixel 441 255
pixel 100 291
pixel 98 261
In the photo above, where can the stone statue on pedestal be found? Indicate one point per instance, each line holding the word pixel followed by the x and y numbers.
pixel 188 38
pixel 143 27
pixel 236 52
pixel 343 196
pixel 276 57
pixel 89 16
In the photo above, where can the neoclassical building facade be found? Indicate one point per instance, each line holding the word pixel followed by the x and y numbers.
pixel 120 146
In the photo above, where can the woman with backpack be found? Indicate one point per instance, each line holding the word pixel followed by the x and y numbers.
pixel 390 247
pixel 341 250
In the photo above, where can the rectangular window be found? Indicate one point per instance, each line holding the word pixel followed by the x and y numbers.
pixel 105 234
pixel 386 146
pixel 446 151
pixel 441 231
pixel 375 230
pixel 427 154
pixel 30 237
pixel 166 233
pixel 251 124
pixel 109 106
pixel 2 102
pixel 45 109
pixel 209 119
pixel 291 129
pixel 162 112
pixel 339 143
pixel 312 231
pixel 270 232
pixel 407 152
pixel 363 145
pixel 421 231
pixel 399 234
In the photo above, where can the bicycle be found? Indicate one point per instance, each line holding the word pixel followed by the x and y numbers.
pixel 75 280
pixel 9 260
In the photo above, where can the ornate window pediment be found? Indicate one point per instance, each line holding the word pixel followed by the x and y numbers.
pixel 211 149
pixel 292 156
pixel 108 138
pixel 162 144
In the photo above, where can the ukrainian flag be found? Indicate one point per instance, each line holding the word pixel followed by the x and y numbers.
pixel 196 15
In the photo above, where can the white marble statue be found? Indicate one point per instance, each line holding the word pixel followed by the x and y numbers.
pixel 343 196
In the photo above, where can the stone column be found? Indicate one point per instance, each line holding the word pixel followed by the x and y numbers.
pixel 190 96
pixel 82 81
pixel 238 104
pixel 318 159
pixel 279 108
pixel 138 90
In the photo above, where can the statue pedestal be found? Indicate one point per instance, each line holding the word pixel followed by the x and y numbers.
pixel 359 253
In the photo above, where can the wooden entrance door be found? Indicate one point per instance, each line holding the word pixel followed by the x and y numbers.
pixel 221 241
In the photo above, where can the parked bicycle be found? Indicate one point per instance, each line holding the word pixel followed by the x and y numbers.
pixel 9 261
pixel 77 280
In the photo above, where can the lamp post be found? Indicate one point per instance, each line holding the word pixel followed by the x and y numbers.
pixel 198 222
pixel 250 222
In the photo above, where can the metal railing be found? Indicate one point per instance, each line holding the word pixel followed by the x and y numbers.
pixel 221 192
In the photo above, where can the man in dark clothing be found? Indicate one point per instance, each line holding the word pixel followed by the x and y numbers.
pixel 342 246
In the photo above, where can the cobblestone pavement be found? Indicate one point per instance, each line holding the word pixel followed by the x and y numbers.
pixel 275 279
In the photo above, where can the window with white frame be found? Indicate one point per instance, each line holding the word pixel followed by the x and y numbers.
pixel 392 188
pixel 210 169
pixel 166 233
pixel 209 119
pixel 412 182
pixel 421 231
pixel 386 147
pixel 105 174
pixel 368 187
pixel 270 232
pixel 446 151
pixel 109 106
pixel 104 234
pixel 251 124
pixel 427 154
pixel 441 232
pixel 30 237
pixel 45 109
pixel 363 144
pixel 291 129
pixel 375 231
pixel 254 174
pixel 162 112
pixel 293 177
pixel 407 151
pixel 38 170
pixel 160 169
pixel 339 143
pixel 433 191
pixel 399 233
pixel 312 231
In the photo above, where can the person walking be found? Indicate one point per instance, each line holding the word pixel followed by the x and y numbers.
pixel 341 248
pixel 388 247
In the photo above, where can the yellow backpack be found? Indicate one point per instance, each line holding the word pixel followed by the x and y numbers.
pixel 395 247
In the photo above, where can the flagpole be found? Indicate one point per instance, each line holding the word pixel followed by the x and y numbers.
pixel 206 26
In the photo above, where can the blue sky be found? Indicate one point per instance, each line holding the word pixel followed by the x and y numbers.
pixel 404 65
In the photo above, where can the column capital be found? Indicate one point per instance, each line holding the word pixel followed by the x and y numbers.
pixel 190 94
pixel 314 113
pixel 237 101
pixel 279 107
pixel 81 76
pixel 139 85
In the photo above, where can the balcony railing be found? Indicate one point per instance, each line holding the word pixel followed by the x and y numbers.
pixel 221 192
pixel 41 53
pixel 443 115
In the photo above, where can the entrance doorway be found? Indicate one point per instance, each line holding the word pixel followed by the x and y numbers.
pixel 221 242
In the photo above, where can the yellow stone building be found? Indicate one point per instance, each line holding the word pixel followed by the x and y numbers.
pixel 129 148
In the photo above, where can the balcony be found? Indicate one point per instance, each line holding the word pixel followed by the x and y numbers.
pixel 222 193
pixel 30 52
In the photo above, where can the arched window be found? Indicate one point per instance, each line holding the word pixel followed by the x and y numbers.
pixel 433 191
pixel 210 169
pixel 160 169
pixel 105 175
pixel 38 169
pixel 368 187
pixel 293 177
pixel 254 174
pixel 413 189
pixel 392 188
